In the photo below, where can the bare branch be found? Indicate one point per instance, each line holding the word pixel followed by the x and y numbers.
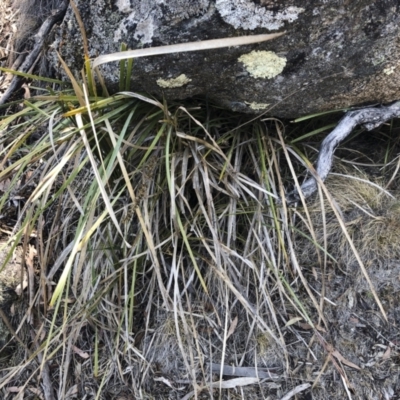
pixel 369 118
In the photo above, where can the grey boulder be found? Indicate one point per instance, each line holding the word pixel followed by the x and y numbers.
pixel 335 53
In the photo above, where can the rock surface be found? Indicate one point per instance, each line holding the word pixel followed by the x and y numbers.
pixel 335 54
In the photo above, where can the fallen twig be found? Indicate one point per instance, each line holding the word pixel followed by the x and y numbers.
pixel 369 118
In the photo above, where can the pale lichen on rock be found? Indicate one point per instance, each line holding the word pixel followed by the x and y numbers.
pixel 246 14
pixel 179 81
pixel 145 17
pixel 263 64
pixel 257 106
pixel 124 6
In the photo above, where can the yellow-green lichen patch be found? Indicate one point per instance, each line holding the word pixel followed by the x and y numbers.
pixel 263 64
pixel 257 106
pixel 173 82
pixel 389 70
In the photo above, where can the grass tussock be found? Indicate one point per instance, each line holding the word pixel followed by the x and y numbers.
pixel 162 258
pixel 150 230
pixel 159 264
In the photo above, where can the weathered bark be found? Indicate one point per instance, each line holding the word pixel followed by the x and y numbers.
pixel 335 54
pixel 368 118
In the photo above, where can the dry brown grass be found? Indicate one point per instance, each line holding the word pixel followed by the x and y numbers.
pixel 371 215
pixel 166 269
